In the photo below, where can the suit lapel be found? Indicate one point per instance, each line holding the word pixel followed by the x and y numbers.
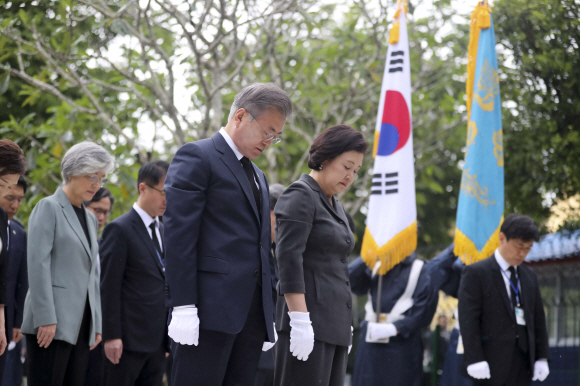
pixel 333 209
pixel 235 166
pixel 141 230
pixel 73 220
pixel 500 285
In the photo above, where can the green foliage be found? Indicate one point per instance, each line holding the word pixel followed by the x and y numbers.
pixel 541 96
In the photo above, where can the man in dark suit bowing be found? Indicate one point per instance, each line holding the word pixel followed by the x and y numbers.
pixel 133 287
pixel 219 270
pixel 501 313
pixel 17 283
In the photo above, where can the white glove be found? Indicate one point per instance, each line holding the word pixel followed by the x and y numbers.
pixel 268 345
pixel 541 370
pixel 301 335
pixel 378 331
pixel 350 346
pixel 184 326
pixel 479 370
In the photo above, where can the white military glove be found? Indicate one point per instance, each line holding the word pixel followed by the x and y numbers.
pixel 541 370
pixel 184 326
pixel 301 335
pixel 479 370
pixel 350 346
pixel 379 331
pixel 268 345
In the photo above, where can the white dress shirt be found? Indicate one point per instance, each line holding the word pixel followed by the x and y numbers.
pixel 147 220
pixel 505 266
pixel 235 149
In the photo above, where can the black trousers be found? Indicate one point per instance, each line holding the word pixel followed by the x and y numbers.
pixel 520 372
pixel 96 367
pixel 220 358
pixel 61 363
pixel 136 369
pixel 326 364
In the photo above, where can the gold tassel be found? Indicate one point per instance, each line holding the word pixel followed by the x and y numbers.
pixel 466 250
pixel 393 252
pixel 394 34
pixel 480 19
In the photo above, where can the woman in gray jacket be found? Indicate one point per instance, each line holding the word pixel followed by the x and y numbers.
pixel 313 244
pixel 62 311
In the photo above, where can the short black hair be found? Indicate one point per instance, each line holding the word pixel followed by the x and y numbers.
pixel 22 182
pixel 151 173
pixel 333 142
pixel 101 193
pixel 12 160
pixel 519 226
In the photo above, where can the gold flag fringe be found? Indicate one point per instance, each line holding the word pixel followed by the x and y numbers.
pixel 393 252
pixel 480 19
pixel 395 28
pixel 466 250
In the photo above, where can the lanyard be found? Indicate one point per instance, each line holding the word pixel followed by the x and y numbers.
pixel 515 288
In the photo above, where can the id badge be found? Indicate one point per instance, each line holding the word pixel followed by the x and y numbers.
pixel 520 318
pixel 460 345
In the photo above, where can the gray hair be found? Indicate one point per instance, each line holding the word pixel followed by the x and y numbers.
pixel 276 191
pixel 259 97
pixel 86 158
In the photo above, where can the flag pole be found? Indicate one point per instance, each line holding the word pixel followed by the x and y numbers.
pixel 379 293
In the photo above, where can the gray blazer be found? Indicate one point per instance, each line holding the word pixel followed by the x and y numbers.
pixel 62 269
pixel 313 242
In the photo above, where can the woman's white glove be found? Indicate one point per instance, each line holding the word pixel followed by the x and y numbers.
pixel 301 335
pixel 184 326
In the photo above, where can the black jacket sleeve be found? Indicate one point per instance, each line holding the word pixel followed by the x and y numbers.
pixel 21 287
pixel 470 309
pixel 3 256
pixel 113 253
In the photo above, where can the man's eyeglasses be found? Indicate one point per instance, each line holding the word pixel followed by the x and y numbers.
pixel 102 212
pixel 268 137
pixel 162 192
pixel 93 179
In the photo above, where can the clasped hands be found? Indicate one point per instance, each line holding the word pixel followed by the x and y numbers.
pixel 184 327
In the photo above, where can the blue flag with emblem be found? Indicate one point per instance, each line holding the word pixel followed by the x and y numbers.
pixel 481 198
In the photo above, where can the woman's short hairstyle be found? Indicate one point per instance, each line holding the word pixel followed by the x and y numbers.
pixel 333 142
pixel 86 158
pixel 519 226
pixel 12 160
pixel 259 97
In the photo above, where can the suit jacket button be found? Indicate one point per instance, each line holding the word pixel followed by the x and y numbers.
pixel 256 273
pixel 343 260
pixel 349 304
pixel 347 282
pixel 348 241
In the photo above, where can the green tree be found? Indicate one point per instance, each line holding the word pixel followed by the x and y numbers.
pixel 541 96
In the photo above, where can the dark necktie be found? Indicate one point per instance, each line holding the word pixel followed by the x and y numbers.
pixel 153 225
pixel 521 330
pixel 249 170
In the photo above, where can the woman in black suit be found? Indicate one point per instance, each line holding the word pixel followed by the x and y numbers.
pixel 12 166
pixel 313 244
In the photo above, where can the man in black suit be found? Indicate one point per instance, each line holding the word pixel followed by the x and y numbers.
pixel 101 206
pixel 133 287
pixel 17 283
pixel 220 272
pixel 501 313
